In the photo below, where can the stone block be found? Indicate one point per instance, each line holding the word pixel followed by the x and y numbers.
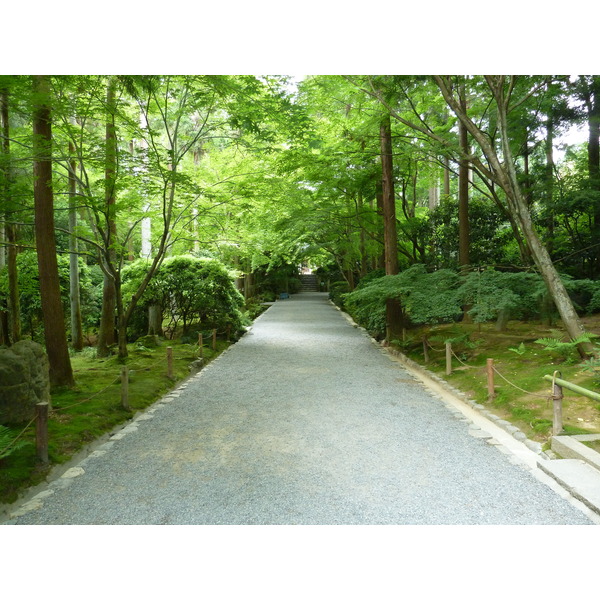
pixel 24 381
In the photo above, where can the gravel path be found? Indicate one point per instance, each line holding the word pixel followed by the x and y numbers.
pixel 303 421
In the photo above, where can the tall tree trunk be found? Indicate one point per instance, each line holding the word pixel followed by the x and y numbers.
pixel 446 177
pixel 12 323
pixel 106 334
pixel 362 242
pixel 464 174
pixel 594 158
pixel 380 264
pixel 463 193
pixel 74 295
pixel 394 313
pixel 61 373
pixel 550 182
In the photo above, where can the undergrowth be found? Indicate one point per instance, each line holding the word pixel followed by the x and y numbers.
pixel 522 395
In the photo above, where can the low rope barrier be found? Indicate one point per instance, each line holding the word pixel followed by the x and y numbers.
pixel 461 362
pixel 113 382
pixel 16 439
pixel 546 396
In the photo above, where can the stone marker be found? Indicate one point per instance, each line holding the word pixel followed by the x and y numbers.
pixel 24 381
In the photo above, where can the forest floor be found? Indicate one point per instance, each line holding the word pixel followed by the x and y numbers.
pixel 522 395
pixel 93 407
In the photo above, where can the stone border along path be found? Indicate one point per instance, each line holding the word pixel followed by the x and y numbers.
pixel 306 420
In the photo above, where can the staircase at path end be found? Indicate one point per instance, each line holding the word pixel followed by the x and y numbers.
pixel 308 283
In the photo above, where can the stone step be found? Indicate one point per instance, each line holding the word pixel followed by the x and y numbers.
pixel 578 477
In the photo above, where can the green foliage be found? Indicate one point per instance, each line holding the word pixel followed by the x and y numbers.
pixel 7 443
pixel 425 297
pixel 489 292
pixel 29 292
pixel 189 289
pixel 564 350
pixel 520 350
pixel 337 292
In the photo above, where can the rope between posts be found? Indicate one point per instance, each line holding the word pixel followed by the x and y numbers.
pixel 150 366
pixel 518 388
pixel 87 399
pixel 20 434
pixel 461 362
pixel 434 349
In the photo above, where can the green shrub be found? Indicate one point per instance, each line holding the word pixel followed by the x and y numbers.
pixel 336 292
pixel 425 297
pixel 189 290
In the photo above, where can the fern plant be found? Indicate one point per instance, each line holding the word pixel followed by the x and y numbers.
pixel 520 349
pixel 7 443
pixel 565 350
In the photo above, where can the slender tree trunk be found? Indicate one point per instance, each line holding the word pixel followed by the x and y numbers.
pixel 106 334
pixel 463 188
pixel 446 177
pixel 74 296
pixel 394 313
pixel 61 373
pixel 594 158
pixel 379 196
pixel 550 183
pixel 11 320
pixel 527 179
pixel 362 239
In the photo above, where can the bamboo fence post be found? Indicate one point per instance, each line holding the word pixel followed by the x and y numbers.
pixel 214 340
pixel 448 358
pixel 557 397
pixel 41 432
pixel 200 345
pixel 169 362
pixel 125 388
pixel 490 378
pixel 425 351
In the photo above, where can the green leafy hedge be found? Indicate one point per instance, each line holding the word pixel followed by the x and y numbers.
pixel 441 296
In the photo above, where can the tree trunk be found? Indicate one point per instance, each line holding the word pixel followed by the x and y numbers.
pixel 549 183
pixel 463 198
pixel 61 373
pixel 106 334
pixel 155 319
pixel 74 296
pixel 394 315
pixel 380 262
pixel 594 158
pixel 12 320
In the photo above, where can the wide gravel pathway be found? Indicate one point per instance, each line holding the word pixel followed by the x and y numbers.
pixel 303 421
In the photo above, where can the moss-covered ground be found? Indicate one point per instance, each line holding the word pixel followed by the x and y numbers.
pixel 522 395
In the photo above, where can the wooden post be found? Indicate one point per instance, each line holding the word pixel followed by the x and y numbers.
pixel 200 345
pixel 557 396
pixel 41 432
pixel 490 378
pixel 125 388
pixel 169 362
pixel 448 358
pixel 425 351
pixel 214 340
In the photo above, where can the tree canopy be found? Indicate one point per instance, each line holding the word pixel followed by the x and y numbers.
pixel 259 174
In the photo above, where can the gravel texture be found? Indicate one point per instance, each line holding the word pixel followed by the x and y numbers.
pixel 303 421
